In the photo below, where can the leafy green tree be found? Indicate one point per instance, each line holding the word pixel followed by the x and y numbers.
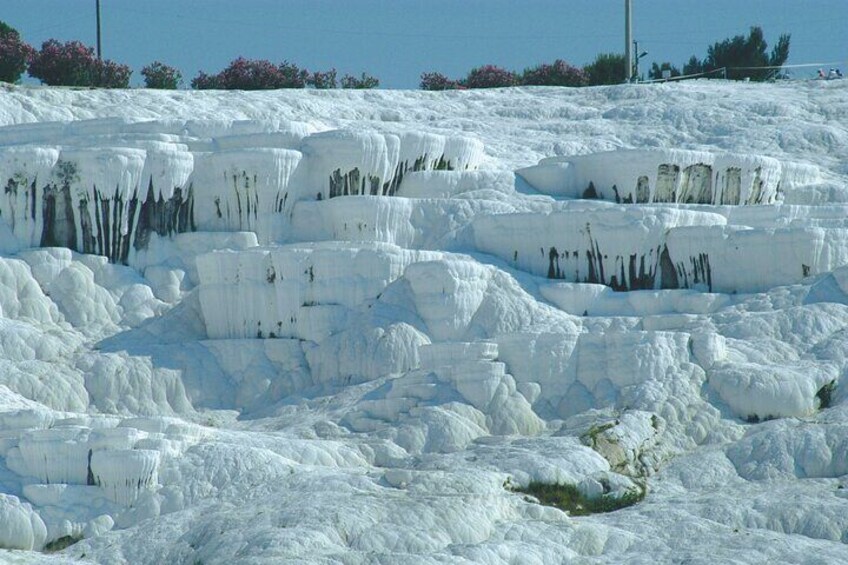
pixel 693 66
pixel 656 72
pixel 780 53
pixel 607 68
pixel 739 54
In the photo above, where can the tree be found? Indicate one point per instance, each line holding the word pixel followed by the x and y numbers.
pixel 693 67
pixel 739 54
pixel 14 54
pixel 656 72
pixel 780 53
pixel 608 68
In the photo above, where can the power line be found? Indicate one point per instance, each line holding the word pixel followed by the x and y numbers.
pixel 63 23
pixel 374 33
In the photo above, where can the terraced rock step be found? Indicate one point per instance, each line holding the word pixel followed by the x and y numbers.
pixel 658 248
pixel 656 176
pixel 161 179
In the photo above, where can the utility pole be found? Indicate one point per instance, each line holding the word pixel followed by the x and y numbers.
pixel 628 38
pixel 99 53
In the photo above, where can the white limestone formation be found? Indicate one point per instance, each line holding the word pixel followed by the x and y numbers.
pixel 336 325
pixel 22 527
pixel 668 176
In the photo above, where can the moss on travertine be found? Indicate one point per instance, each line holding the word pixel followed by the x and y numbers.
pixel 568 498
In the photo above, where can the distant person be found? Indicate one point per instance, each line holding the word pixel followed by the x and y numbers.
pixel 838 73
pixel 832 73
pixel 821 73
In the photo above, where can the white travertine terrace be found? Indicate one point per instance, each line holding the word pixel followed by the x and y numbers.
pixel 345 326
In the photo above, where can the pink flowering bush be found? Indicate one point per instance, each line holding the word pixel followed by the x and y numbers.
pixel 248 74
pixel 14 54
pixel 74 64
pixel 559 73
pixel 323 81
pixel 161 76
pixel 437 81
pixel 206 82
pixel 490 76
pixel 253 74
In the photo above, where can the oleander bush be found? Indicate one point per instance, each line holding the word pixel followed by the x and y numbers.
pixel 323 81
pixel 14 54
pixel 161 76
pixel 559 73
pixel 260 74
pixel 205 82
pixel 364 81
pixel 253 74
pixel 437 81
pixel 490 76
pixel 75 64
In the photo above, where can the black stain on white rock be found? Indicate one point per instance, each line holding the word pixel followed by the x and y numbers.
pixel 59 225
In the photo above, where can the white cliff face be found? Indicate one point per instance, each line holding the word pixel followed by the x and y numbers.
pixel 345 326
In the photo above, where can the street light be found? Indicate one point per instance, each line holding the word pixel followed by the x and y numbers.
pixel 635 76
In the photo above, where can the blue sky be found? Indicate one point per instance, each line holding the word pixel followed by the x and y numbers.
pixel 397 40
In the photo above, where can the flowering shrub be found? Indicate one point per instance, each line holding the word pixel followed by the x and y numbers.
pixel 162 76
pixel 112 75
pixel 362 82
pixel 253 74
pixel 559 73
pixel 206 82
pixel 490 76
pixel 247 74
pixel 14 54
pixel 437 81
pixel 323 80
pixel 74 64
